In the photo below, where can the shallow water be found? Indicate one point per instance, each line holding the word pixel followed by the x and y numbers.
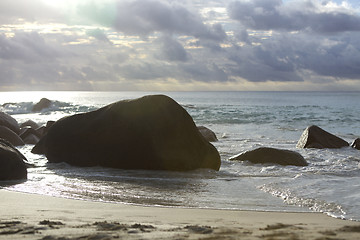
pixel 242 121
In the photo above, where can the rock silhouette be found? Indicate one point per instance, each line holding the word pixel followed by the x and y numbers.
pixel 152 132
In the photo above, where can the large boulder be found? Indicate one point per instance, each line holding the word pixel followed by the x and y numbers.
pixel 207 134
pixel 271 155
pixel 8 121
pixel 152 132
pixel 10 136
pixel 356 144
pixel 42 104
pixel 315 137
pixel 12 165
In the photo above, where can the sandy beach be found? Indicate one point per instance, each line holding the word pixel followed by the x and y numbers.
pixel 29 216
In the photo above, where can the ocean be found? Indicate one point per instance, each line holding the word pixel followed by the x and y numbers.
pixel 242 121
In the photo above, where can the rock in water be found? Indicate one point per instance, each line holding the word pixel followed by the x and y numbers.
pixel 356 144
pixel 12 165
pixel 272 155
pixel 315 137
pixel 42 104
pixel 207 134
pixel 152 132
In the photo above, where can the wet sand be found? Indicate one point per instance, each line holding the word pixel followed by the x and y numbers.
pixel 30 216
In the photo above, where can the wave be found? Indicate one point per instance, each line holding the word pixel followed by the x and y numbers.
pixel 317 205
pixel 56 106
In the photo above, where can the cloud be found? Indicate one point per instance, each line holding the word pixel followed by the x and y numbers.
pixel 99 34
pixel 29 47
pixel 146 17
pixel 172 50
pixel 14 11
pixel 112 44
pixel 322 17
pixel 285 56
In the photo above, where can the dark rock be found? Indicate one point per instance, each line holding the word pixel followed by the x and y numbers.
pixel 10 136
pixel 356 144
pixel 29 123
pixel 315 137
pixel 44 103
pixel 9 122
pixel 39 148
pixel 207 134
pixel 30 136
pixel 41 131
pixel 152 132
pixel 12 165
pixel 272 155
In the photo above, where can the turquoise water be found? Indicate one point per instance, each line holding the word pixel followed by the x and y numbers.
pixel 242 121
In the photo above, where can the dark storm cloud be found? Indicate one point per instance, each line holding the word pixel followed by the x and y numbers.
pixel 293 16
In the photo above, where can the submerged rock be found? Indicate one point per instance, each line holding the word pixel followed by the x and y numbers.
pixel 12 165
pixel 42 104
pixel 207 134
pixel 152 132
pixel 271 155
pixel 356 144
pixel 315 137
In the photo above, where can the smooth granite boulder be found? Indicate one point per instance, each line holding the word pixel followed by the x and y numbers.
pixel 152 132
pixel 8 121
pixel 356 144
pixel 42 104
pixel 264 155
pixel 12 165
pixel 10 136
pixel 315 137
pixel 207 134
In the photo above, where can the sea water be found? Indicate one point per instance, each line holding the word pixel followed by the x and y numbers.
pixel 242 121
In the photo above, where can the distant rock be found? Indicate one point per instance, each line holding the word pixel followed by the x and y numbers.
pixel 10 136
pixel 153 132
pixel 29 123
pixel 315 137
pixel 207 134
pixel 30 135
pixel 42 104
pixel 271 155
pixel 12 165
pixel 356 144
pixel 8 121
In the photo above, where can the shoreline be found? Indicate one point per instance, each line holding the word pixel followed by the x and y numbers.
pixel 32 216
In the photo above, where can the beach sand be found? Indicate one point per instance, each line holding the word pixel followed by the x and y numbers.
pixel 30 216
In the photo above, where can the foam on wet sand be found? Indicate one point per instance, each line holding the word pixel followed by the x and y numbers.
pixel 30 216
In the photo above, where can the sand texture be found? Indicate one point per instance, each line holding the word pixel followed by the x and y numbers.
pixel 29 216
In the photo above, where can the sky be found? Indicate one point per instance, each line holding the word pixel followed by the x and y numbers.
pixel 180 45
